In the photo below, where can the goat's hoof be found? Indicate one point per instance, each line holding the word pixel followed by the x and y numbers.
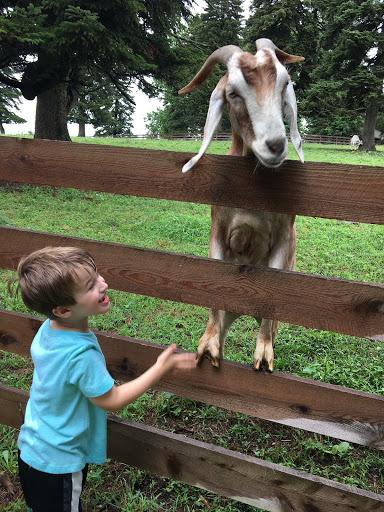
pixel 261 364
pixel 214 360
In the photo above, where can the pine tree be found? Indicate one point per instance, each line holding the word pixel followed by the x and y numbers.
pixel 50 44
pixel 104 107
pixel 352 59
pixel 293 27
pixel 9 105
pixel 218 25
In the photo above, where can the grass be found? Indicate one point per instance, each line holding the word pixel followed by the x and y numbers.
pixel 326 247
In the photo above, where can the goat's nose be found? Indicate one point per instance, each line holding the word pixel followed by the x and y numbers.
pixel 276 146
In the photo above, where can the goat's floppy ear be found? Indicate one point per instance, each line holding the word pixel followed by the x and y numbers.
pixel 215 111
pixel 290 111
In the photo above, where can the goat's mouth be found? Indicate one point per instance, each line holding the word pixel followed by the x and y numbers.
pixel 272 163
pixel 270 159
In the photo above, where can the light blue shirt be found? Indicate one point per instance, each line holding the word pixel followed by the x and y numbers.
pixel 62 429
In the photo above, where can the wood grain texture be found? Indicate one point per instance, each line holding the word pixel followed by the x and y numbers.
pixel 346 414
pixel 243 478
pixel 351 192
pixel 313 301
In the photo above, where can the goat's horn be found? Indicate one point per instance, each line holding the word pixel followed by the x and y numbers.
pixel 220 56
pixel 284 58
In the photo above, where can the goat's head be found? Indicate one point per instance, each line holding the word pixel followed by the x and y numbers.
pixel 259 94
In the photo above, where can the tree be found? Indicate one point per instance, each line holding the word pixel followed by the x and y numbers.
pixel 218 25
pixel 341 79
pixel 348 81
pixel 293 27
pixel 9 101
pixel 51 43
pixel 103 107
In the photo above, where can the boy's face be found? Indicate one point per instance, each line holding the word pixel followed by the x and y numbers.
pixel 91 298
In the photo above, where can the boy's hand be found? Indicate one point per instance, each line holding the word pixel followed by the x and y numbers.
pixel 169 360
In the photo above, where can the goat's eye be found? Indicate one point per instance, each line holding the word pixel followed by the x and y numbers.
pixel 232 94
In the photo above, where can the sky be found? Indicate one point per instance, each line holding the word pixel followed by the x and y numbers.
pixel 144 105
pixel 28 110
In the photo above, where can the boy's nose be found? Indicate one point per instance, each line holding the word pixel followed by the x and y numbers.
pixel 103 282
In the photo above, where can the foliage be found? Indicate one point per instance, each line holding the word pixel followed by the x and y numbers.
pixel 342 42
pixel 9 103
pixel 51 44
pixel 350 70
pixel 105 108
pixel 292 26
pixel 218 25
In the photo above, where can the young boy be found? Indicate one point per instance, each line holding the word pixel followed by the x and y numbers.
pixel 65 420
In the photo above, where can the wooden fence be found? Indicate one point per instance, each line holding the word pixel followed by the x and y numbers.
pixel 316 189
pixel 225 136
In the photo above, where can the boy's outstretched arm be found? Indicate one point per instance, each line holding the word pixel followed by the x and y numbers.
pixel 120 396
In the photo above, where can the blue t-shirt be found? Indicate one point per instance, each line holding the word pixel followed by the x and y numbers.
pixel 62 429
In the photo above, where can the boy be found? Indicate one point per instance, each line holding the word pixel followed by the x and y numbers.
pixel 65 420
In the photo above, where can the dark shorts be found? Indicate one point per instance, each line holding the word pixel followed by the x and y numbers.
pixel 45 492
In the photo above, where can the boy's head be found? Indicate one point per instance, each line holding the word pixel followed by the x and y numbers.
pixel 50 277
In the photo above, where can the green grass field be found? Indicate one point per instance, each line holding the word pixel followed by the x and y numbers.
pixel 326 247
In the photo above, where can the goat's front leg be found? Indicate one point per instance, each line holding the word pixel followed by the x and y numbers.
pixel 211 344
pixel 263 356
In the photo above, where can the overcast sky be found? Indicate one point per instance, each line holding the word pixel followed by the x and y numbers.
pixel 28 110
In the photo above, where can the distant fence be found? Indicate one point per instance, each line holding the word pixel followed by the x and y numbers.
pixel 225 136
pixel 316 189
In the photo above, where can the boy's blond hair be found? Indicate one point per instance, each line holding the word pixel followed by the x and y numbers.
pixel 49 277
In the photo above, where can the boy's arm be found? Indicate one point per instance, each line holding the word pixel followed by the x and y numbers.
pixel 120 396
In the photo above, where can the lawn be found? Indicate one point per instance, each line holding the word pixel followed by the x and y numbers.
pixel 325 247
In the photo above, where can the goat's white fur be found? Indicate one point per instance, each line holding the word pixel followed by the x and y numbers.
pixel 355 142
pixel 256 107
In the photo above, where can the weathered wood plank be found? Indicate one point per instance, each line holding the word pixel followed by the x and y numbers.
pixel 240 477
pixel 243 478
pixel 336 191
pixel 343 413
pixel 12 406
pixel 318 302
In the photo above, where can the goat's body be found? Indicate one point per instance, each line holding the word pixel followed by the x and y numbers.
pixel 355 142
pixel 258 93
pixel 247 237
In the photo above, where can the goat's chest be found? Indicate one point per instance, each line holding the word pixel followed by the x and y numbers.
pixel 247 236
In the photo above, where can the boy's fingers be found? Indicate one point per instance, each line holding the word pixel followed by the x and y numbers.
pixel 186 360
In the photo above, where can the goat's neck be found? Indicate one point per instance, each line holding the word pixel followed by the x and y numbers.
pixel 238 148
pixel 237 144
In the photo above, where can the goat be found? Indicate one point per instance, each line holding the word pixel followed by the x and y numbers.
pixel 258 93
pixel 355 142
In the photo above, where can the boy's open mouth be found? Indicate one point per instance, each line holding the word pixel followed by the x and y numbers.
pixel 104 299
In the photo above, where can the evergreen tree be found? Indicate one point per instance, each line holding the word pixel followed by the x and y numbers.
pixel 293 26
pixel 218 25
pixel 103 107
pixel 351 68
pixel 342 42
pixel 9 105
pixel 50 44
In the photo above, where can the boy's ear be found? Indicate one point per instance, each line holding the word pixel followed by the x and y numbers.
pixel 62 311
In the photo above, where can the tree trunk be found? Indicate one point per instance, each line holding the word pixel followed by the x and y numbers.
pixel 368 133
pixel 2 128
pixel 51 114
pixel 81 128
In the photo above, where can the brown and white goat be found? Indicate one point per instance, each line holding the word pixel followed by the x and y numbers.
pixel 258 93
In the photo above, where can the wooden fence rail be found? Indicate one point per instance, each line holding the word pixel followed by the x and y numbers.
pixel 323 190
pixel 226 136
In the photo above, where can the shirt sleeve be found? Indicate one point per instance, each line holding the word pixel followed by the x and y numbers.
pixel 88 372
